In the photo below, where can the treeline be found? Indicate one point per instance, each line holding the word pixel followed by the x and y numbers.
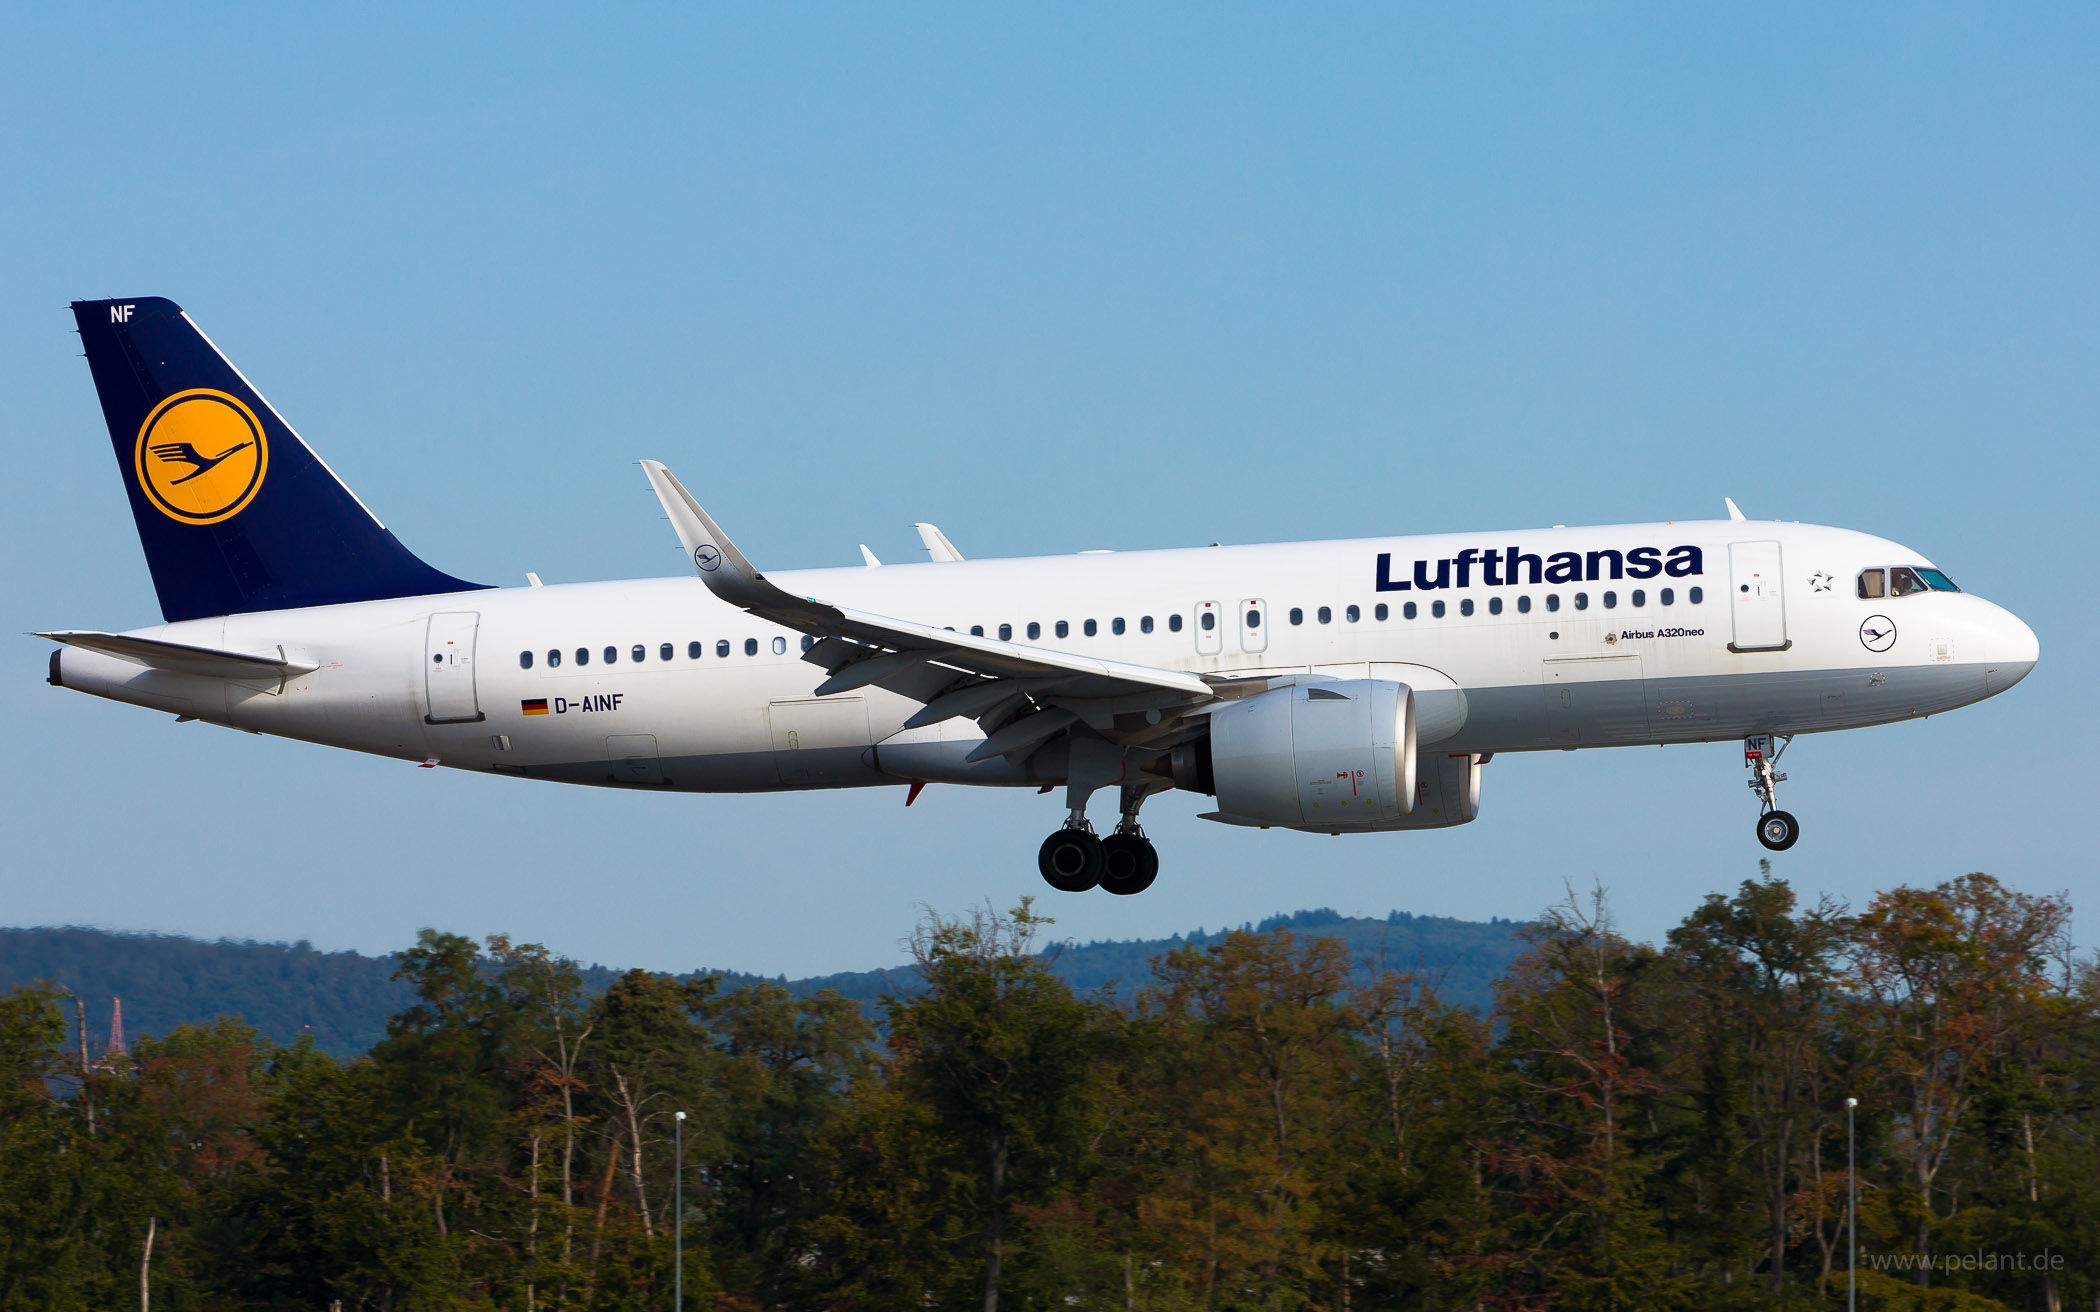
pixel 1269 1124
pixel 342 999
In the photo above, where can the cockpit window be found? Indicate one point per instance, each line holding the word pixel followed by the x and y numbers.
pixel 1872 584
pixel 1937 581
pixel 1903 580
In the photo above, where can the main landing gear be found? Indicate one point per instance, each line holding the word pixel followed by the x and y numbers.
pixel 1073 860
pixel 1776 829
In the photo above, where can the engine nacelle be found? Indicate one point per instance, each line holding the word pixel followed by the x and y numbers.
pixel 1447 792
pixel 1321 756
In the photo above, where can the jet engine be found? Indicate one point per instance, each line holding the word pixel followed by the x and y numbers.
pixel 1320 756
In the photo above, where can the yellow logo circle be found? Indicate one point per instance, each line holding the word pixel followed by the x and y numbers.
pixel 201 456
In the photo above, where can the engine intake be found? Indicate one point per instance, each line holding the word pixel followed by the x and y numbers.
pixel 1322 756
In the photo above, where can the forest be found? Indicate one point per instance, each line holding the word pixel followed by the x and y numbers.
pixel 1268 1121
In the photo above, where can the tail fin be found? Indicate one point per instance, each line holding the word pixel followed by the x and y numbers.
pixel 235 513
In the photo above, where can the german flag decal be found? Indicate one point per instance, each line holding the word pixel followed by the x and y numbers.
pixel 536 706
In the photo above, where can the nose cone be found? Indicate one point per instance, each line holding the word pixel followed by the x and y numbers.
pixel 2014 649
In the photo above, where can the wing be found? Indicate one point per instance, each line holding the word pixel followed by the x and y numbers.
pixel 1022 697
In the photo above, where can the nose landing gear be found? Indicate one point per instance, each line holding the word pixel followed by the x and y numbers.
pixel 1776 829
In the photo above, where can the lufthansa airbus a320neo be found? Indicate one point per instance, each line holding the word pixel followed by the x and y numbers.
pixel 1331 687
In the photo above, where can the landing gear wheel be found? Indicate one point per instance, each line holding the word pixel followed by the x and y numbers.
pixel 1131 863
pixel 1071 860
pixel 1777 830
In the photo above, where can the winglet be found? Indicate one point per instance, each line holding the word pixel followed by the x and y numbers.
pixel 938 547
pixel 869 557
pixel 715 558
pixel 1733 513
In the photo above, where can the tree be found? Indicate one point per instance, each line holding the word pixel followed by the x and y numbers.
pixel 1001 1055
pixel 1761 979
pixel 1958 975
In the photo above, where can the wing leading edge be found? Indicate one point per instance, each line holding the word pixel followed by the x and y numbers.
pixel 1023 697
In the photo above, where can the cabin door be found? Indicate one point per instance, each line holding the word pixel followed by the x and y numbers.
pixel 1756 597
pixel 448 668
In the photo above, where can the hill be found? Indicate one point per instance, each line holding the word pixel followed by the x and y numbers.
pixel 344 998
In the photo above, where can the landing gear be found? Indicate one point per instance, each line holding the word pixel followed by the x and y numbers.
pixel 1132 861
pixel 1776 829
pixel 1071 860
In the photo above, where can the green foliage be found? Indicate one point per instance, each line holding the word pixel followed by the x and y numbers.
pixel 1272 1118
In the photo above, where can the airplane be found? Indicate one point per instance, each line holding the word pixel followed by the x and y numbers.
pixel 1340 687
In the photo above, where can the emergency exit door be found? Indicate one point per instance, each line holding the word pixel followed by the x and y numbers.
pixel 1756 597
pixel 448 668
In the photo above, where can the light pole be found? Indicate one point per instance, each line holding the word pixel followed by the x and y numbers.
pixel 678 1213
pixel 1851 1213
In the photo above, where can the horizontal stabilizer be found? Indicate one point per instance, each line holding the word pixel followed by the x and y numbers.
pixel 181 658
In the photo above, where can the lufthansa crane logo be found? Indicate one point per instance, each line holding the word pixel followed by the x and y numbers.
pixel 1877 633
pixel 201 456
pixel 706 557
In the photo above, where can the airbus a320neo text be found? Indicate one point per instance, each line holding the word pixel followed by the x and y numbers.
pixel 1330 687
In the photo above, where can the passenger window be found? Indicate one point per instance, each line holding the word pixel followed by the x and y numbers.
pixel 1695 596
pixel 1436 609
pixel 1379 612
pixel 977 630
pixel 1035 630
pixel 1006 633
pixel 1494 605
pixel 1115 626
pixel 693 650
pixel 612 655
pixel 1553 601
pixel 1873 585
pixel 780 646
pixel 1523 605
pixel 1297 615
pixel 640 653
pixel 1064 630
pixel 1640 596
pixel 1903 580
pixel 1145 624
pixel 1667 596
pixel 1253 619
pixel 583 655
pixel 1174 622
pixel 751 646
pixel 554 658
pixel 1611 601
pixel 1326 615
pixel 1092 629
pixel 1409 610
pixel 721 646
pixel 665 652
pixel 1582 601
pixel 1465 607
pixel 524 660
pixel 1210 620
pixel 1353 614
pixel 808 642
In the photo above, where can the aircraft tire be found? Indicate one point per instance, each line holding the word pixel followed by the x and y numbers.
pixel 1131 863
pixel 1778 830
pixel 1071 860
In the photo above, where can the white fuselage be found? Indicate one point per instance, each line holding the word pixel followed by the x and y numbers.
pixel 1789 650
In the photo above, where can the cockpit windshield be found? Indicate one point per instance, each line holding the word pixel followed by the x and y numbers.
pixel 1937 581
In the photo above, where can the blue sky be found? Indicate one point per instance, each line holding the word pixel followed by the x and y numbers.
pixel 1091 277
